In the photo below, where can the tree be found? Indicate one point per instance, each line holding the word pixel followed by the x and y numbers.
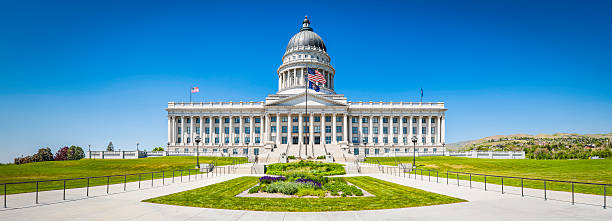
pixel 44 154
pixel 158 149
pixel 110 147
pixel 62 154
pixel 75 153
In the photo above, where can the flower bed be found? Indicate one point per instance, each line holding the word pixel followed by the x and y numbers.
pixel 305 168
pixel 296 185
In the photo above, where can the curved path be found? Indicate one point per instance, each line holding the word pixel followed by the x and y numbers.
pixel 489 205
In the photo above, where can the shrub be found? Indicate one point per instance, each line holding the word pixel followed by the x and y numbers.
pixel 287 188
pixel 271 179
pixel 255 189
pixel 311 192
pixel 75 153
pixel 158 149
pixel 291 157
pixel 62 154
pixel 321 157
pixel 316 168
pixel 44 154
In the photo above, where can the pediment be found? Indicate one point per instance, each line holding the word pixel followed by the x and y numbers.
pixel 299 100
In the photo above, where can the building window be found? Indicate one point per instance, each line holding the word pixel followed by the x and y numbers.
pixel 226 120
pixel 365 139
pixel 375 120
pixel 295 119
pixel 237 120
pixel 395 140
pixel 355 130
pixel 284 119
pixel 236 139
pixel 385 120
pixel 423 130
pixel 364 120
pixel 306 129
pixel 433 121
pixel 435 150
pixel 273 119
pixel 385 130
pixel 338 119
pixel 433 130
pixel 235 151
pixel 189 120
pixel 405 140
pixel 355 140
pixel 305 119
pixel 216 120
pixel 257 130
pixel 216 140
pixel 186 150
pixel 405 130
pixel 404 120
pixel 284 129
pixel 423 140
pixel 339 138
pixel 414 120
pixel 180 120
pixel 207 130
pixel 386 150
pixel 257 120
pixel 198 130
pixel 237 130
pixel 423 120
pixel 317 119
pixel 247 120
pixel 328 129
pixel 339 129
pixel 179 130
pixel 226 140
pixel 207 120
pixel 317 129
pixel 395 130
pixel 424 149
pixel 354 120
pixel 328 119
pixel 216 130
pixel 188 130
pixel 414 130
pixel 188 139
pixel 283 140
pixel 375 139
pixel 215 150
pixel 247 140
pixel 385 140
pixel 207 140
pixel 328 140
pixel 295 129
pixel 273 129
pixel 257 140
pixel 433 140
pixel 247 130
pixel 395 120
pixel 178 140
pixel 197 120
pixel 364 130
pixel 224 150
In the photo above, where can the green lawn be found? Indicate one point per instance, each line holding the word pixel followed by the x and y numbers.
pixel 387 195
pixel 53 170
pixel 591 171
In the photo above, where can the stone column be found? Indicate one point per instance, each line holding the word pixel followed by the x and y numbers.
pixel 192 131
pixel 443 129
pixel 410 128
pixel 231 132
pixel 210 130
pixel 390 130
pixel 428 139
pixel 370 130
pixel 438 130
pixel 420 129
pixel 311 128
pixel 380 129
pixel 169 129
pixel 360 130
pixel 300 130
pixel 202 128
pixel 252 129
pixel 345 129
pixel 278 129
pixel 334 125
pixel 221 131
pixel 241 134
pixel 401 130
pixel 264 125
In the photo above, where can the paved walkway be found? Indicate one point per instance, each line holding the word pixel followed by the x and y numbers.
pixel 482 205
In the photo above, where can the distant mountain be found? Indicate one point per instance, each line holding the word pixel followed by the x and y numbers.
pixel 499 139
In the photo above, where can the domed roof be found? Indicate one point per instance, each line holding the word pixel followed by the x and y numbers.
pixel 306 39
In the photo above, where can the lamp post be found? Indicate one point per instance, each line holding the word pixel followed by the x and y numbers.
pixel 89 150
pixel 414 140
pixel 443 149
pixel 197 140
pixel 137 144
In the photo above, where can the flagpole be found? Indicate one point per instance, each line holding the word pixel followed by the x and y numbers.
pixel 308 79
pixel 190 94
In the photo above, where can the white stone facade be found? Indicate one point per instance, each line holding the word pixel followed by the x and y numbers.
pixel 305 123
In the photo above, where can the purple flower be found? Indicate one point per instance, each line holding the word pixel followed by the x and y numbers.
pixel 308 181
pixel 271 179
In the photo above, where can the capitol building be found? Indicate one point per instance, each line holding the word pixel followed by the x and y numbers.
pixel 305 123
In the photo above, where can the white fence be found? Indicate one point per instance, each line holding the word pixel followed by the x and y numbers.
pixel 117 154
pixel 143 154
pixel 470 154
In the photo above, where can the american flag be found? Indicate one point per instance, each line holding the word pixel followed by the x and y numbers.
pixel 195 89
pixel 316 76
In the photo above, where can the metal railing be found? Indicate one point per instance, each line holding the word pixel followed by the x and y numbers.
pixel 545 183
pixel 156 175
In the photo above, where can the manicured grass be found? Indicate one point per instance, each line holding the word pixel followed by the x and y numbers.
pixel 53 170
pixel 387 195
pixel 589 171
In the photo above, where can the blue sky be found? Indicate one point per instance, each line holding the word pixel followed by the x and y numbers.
pixel 90 72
